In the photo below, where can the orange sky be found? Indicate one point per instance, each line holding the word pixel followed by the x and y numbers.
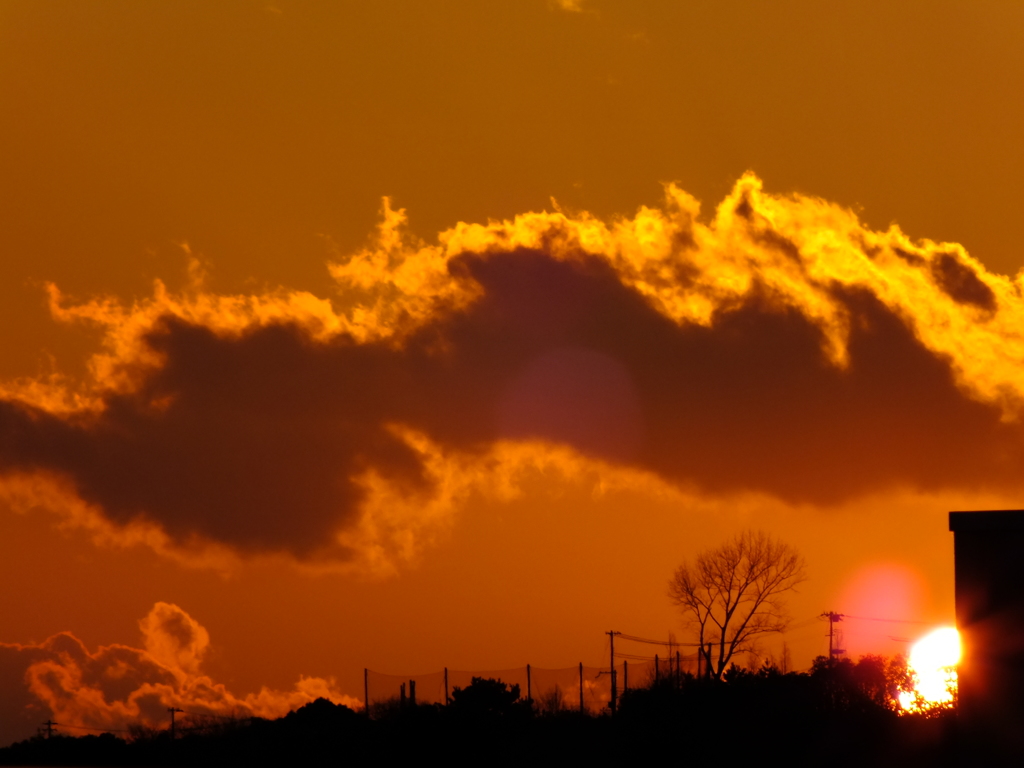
pixel 648 273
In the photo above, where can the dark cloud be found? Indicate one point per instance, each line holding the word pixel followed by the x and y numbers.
pixel 815 374
pixel 750 402
pixel 962 283
pixel 258 441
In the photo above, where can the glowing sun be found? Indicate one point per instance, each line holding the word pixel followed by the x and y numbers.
pixel 933 661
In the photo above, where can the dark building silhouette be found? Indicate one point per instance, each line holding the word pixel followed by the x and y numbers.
pixel 989 560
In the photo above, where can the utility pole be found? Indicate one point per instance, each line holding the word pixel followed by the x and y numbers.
pixel 611 637
pixel 49 727
pixel 172 710
pixel 833 619
pixel 447 701
pixel 529 686
pixel 366 689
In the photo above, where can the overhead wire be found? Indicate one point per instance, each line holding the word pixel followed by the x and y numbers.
pixel 800 624
pixel 128 730
pixel 636 657
pixel 219 717
pixel 664 643
pixel 88 728
pixel 892 621
pixel 675 643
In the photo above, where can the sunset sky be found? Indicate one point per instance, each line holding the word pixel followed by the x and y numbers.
pixel 439 333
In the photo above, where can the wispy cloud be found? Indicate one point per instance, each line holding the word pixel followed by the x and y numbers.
pixel 573 6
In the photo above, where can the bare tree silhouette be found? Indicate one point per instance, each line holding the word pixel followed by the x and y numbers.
pixel 734 594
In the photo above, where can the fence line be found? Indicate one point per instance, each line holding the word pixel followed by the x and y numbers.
pixel 568 688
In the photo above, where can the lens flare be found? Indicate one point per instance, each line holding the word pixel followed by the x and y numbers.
pixel 933 661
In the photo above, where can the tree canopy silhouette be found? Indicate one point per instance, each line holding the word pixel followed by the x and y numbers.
pixel 734 593
pixel 486 697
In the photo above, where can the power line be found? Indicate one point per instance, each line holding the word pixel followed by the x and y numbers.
pixel 675 643
pixel 801 624
pixel 663 643
pixel 88 728
pixel 51 723
pixel 892 621
pixel 210 714
pixel 635 657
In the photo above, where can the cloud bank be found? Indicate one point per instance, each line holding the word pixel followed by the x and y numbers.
pixel 118 687
pixel 778 347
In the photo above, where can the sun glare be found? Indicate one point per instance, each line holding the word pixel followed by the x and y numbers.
pixel 933 661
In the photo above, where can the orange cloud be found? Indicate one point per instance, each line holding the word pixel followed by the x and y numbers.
pixel 119 686
pixel 779 347
pixel 573 6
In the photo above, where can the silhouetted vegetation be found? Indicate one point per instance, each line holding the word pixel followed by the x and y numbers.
pixel 487 699
pixel 840 713
pixel 733 594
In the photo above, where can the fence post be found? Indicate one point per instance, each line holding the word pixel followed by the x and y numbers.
pixel 581 687
pixel 611 703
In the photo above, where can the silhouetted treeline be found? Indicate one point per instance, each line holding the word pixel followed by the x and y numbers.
pixel 838 714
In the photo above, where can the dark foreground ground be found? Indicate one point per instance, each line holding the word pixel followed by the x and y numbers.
pixel 769 718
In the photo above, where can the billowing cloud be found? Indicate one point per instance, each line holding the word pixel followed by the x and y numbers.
pixel 118 686
pixel 780 347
